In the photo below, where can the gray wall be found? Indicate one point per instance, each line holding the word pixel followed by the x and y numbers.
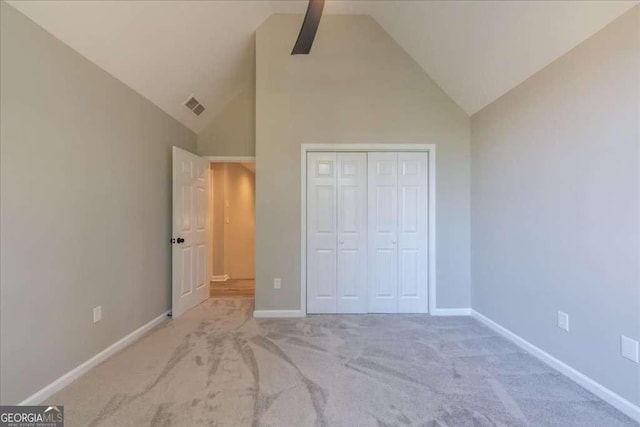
pixel 555 201
pixel 232 132
pixel 86 207
pixel 356 86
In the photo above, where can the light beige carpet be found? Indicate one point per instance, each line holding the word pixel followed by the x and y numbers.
pixel 217 366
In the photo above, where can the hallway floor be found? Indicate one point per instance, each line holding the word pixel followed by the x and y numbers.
pixel 244 288
pixel 216 365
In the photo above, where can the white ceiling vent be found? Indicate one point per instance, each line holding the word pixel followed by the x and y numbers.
pixel 194 105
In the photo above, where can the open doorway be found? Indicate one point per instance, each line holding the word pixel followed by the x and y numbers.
pixel 232 205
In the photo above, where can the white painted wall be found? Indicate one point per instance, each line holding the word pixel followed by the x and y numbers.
pixel 86 207
pixel 356 86
pixel 555 202
pixel 151 41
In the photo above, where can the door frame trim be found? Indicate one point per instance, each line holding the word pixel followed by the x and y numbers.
pixel 431 226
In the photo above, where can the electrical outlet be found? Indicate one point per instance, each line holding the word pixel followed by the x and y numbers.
pixel 277 283
pixel 629 348
pixel 97 314
pixel 563 321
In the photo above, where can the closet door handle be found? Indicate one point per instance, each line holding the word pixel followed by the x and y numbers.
pixel 393 242
pixel 342 242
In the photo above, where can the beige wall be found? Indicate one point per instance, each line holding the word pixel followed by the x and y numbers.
pixel 234 221
pixel 556 206
pixel 356 86
pixel 86 207
pixel 217 219
pixel 239 227
pixel 232 132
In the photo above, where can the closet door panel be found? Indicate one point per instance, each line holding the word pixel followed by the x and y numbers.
pixel 383 229
pixel 412 232
pixel 321 233
pixel 367 232
pixel 352 232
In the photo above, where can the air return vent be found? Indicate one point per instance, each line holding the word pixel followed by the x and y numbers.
pixel 194 105
pixel 198 110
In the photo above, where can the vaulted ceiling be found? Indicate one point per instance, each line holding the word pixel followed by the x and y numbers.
pixel 168 50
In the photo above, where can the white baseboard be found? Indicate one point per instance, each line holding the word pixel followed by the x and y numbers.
pixel 298 313
pixel 451 312
pixel 222 278
pixel 614 399
pixel 264 314
pixel 80 370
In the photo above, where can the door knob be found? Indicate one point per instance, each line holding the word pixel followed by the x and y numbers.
pixel 180 240
pixel 342 242
pixel 393 242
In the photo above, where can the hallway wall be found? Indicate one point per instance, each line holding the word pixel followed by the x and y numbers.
pixel 233 221
pixel 217 219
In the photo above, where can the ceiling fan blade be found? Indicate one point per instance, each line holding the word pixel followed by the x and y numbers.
pixel 309 28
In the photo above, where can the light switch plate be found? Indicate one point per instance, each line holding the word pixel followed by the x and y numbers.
pixel 629 348
pixel 563 321
pixel 277 283
pixel 97 314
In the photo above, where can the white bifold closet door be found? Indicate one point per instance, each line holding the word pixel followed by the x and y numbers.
pixel 336 232
pixel 398 234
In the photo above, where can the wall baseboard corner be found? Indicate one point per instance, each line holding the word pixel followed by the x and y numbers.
pixel 222 278
pixel 612 398
pixel 451 312
pixel 57 385
pixel 267 314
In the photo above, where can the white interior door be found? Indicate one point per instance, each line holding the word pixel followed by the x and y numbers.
pixel 190 283
pixel 352 233
pixel 383 232
pixel 412 232
pixel 321 233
